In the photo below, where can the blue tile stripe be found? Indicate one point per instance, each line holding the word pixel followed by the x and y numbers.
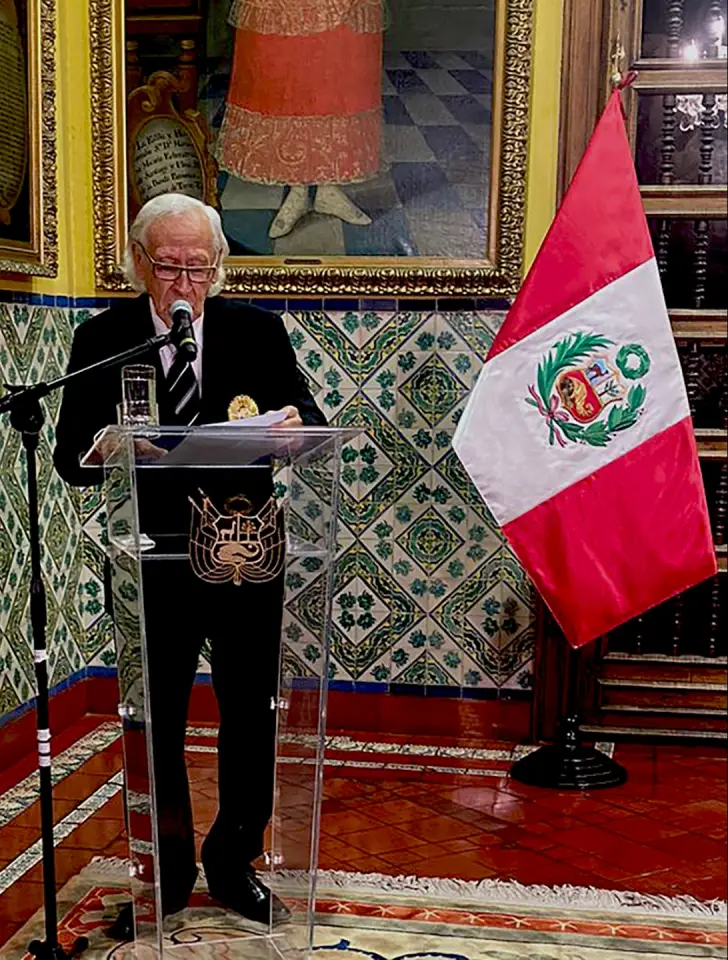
pixel 433 690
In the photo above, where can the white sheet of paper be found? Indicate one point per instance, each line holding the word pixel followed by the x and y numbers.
pixel 262 420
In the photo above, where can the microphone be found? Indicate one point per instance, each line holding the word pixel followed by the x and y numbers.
pixel 183 336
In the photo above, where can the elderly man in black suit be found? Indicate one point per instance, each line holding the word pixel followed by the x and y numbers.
pixel 175 252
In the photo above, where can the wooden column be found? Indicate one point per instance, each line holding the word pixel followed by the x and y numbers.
pixel 187 72
pixel 134 72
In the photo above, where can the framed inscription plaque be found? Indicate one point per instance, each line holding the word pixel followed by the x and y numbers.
pixel 27 137
pixel 169 150
pixel 360 146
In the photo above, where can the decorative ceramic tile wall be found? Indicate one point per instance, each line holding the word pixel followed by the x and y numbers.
pixel 34 344
pixel 427 594
pixel 427 591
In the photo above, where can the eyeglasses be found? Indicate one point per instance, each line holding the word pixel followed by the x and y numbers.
pixel 173 271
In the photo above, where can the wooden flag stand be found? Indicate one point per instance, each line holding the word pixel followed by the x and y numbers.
pixel 567 764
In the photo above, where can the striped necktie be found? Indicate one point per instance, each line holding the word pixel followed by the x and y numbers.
pixel 183 392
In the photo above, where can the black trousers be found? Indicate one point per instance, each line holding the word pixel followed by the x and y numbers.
pixel 243 625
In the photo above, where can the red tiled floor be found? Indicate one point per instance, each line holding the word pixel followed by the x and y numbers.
pixel 61 741
pixel 70 862
pixel 348 821
pixel 391 811
pixel 15 840
pixel 645 830
pixel 366 863
pixel 484 840
pixel 616 838
pixel 541 829
pixel 537 841
pixel 464 845
pixel 95 834
pixel 411 857
pixel 455 865
pixel 383 840
pixel 79 786
pixel 615 877
pixel 691 847
pixel 334 849
pixel 17 905
pixel 112 810
pixel 436 829
pixel 31 816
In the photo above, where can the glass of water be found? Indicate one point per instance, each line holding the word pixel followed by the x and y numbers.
pixel 138 407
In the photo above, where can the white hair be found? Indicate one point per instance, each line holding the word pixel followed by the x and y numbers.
pixel 167 205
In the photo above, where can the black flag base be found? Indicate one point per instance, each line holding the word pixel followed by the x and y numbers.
pixel 568 764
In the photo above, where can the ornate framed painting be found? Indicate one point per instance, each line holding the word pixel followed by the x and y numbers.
pixel 27 137
pixel 370 147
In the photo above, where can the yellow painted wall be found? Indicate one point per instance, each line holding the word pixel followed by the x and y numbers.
pixel 73 148
pixel 543 138
pixel 73 122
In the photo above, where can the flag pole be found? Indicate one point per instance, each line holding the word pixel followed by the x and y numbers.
pixel 568 764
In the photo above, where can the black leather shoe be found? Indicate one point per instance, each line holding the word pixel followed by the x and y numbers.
pixel 252 900
pixel 123 927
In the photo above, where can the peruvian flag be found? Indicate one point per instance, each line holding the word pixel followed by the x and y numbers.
pixel 578 433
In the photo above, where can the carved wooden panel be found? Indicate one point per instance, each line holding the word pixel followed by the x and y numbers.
pixel 691 255
pixel 692 625
pixel 708 367
pixel 681 138
pixel 689 29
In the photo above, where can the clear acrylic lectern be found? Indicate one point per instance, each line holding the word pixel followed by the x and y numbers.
pixel 231 538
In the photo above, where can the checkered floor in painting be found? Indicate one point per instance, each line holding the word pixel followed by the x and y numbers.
pixel 429 200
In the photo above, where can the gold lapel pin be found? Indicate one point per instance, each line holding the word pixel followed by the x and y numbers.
pixel 242 407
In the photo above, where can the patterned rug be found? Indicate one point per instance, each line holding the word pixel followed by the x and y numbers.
pixel 368 918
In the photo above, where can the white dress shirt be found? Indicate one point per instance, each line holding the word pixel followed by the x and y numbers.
pixel 168 352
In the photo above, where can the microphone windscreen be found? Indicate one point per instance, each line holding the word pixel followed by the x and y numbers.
pixel 180 305
pixel 183 335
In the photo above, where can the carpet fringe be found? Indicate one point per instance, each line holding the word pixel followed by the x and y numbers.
pixel 480 893
pixel 113 867
pixel 511 893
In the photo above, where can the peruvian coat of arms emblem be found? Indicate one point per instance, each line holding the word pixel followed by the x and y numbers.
pixel 239 545
pixel 587 389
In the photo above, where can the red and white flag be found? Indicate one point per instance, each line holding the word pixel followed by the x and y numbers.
pixel 578 433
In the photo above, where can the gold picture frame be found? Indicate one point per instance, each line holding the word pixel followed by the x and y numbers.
pixel 496 274
pixel 28 214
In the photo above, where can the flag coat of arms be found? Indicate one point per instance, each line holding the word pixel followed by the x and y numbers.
pixel 578 432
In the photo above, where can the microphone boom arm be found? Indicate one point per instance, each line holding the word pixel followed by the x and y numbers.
pixel 21 395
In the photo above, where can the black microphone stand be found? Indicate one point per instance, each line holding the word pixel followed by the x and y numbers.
pixel 26 416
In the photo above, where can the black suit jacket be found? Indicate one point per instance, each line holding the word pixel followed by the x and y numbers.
pixel 245 350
